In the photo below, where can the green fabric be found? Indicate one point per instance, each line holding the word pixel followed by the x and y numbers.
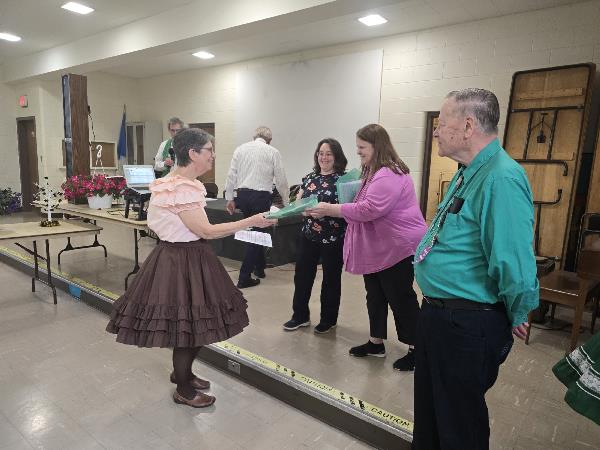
pixel 295 208
pixel 165 155
pixel 348 185
pixel 580 372
pixel 484 252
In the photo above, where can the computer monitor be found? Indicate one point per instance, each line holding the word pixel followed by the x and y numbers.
pixel 138 176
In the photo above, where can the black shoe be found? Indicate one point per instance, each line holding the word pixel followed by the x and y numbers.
pixel 260 273
pixel 407 362
pixel 250 282
pixel 324 328
pixel 294 324
pixel 368 349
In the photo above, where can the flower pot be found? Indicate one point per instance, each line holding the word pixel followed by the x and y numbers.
pixel 97 202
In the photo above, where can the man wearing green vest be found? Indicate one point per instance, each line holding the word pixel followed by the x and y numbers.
pixel 164 159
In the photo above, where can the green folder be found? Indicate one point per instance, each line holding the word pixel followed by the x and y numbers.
pixel 348 186
pixel 295 208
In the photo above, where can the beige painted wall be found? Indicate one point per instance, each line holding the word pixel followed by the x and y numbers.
pixel 106 96
pixel 9 155
pixel 419 69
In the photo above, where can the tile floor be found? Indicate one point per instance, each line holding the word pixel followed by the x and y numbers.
pixel 526 406
pixel 65 384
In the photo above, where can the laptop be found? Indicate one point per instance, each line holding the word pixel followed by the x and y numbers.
pixel 139 178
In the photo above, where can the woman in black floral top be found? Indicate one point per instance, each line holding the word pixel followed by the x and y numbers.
pixel 322 239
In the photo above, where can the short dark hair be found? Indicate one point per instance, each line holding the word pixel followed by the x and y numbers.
pixel 339 159
pixel 189 139
pixel 482 104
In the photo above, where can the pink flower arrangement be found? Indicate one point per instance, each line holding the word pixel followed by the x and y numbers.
pixel 82 186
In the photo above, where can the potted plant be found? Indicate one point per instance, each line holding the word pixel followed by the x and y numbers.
pixel 99 190
pixel 10 201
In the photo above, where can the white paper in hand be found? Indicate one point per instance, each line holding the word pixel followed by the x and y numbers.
pixel 254 237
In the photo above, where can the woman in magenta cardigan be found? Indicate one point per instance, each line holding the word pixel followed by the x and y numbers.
pixel 385 225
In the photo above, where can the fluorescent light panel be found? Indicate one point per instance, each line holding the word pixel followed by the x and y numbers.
pixel 77 8
pixel 203 55
pixel 9 37
pixel 372 20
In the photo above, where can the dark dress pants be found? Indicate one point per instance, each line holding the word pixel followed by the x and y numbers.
pixel 332 260
pixel 393 286
pixel 458 354
pixel 252 202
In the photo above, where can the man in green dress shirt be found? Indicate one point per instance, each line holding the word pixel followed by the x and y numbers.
pixel 476 269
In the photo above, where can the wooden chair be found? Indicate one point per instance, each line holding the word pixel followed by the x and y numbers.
pixel 572 289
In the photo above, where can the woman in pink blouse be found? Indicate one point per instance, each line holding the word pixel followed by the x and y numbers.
pixel 183 297
pixel 385 225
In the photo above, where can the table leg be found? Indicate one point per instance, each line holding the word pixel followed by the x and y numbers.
pixel 69 247
pixel 36 270
pixel 50 284
pixel 136 267
pixel 35 266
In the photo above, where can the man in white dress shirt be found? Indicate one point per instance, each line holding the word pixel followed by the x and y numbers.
pixel 254 167
pixel 165 159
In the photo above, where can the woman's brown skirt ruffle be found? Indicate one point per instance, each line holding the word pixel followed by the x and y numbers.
pixel 181 297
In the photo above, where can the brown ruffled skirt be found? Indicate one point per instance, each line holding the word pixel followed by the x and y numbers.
pixel 181 297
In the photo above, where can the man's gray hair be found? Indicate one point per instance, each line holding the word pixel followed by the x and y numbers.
pixel 263 132
pixel 175 121
pixel 481 104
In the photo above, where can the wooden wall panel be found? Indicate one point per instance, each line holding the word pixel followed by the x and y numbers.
pixel 79 124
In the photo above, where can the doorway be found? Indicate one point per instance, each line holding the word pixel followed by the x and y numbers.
pixel 28 159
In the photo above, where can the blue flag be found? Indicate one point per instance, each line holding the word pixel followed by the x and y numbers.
pixel 122 145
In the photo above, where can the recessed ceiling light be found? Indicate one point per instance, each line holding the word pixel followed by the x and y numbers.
pixel 9 37
pixel 203 55
pixel 372 20
pixel 77 8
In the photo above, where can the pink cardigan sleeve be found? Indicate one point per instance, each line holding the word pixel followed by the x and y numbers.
pixel 382 194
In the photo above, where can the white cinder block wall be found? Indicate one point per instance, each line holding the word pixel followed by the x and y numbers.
pixel 419 69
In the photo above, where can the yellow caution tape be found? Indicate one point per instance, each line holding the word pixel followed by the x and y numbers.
pixel 72 279
pixel 350 400
pixel 357 403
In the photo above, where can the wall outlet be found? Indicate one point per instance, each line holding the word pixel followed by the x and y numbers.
pixel 233 366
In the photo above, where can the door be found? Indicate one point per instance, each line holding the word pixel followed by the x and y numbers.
pixel 27 145
pixel 208 177
pixel 437 171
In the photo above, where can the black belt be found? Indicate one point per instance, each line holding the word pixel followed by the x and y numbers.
pixel 250 190
pixel 460 303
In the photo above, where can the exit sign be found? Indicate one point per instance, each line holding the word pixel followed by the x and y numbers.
pixel 23 101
